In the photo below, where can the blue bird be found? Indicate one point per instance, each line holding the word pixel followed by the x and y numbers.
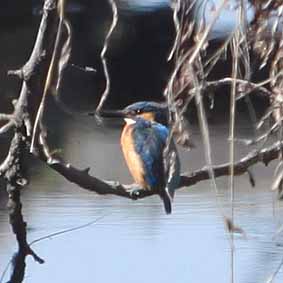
pixel 143 143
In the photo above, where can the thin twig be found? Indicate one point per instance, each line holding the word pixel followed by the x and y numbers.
pixel 4 129
pixel 207 31
pixel 103 53
pixel 66 231
pixel 235 46
pixel 272 277
pixel 249 85
pixel 50 74
pixel 5 117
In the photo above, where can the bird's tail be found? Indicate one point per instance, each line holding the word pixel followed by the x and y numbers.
pixel 167 200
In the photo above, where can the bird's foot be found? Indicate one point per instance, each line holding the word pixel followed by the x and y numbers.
pixel 136 193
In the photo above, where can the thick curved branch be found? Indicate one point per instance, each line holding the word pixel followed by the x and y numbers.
pixel 88 182
pixel 82 178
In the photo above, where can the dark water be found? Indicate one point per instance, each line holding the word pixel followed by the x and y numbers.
pixel 133 241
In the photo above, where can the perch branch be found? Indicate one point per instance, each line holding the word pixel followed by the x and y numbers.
pixel 83 179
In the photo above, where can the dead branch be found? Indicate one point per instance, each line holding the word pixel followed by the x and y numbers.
pixel 50 74
pixel 103 53
pixel 240 167
pixel 11 169
pixel 83 179
pixel 5 117
pixel 8 126
pixel 243 86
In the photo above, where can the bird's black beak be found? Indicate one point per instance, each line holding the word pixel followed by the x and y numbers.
pixel 112 114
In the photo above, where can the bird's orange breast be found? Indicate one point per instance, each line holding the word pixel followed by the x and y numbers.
pixel 133 160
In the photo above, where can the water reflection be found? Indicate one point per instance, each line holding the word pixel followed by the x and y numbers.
pixel 228 18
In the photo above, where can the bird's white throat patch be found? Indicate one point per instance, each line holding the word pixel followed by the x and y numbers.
pixel 130 121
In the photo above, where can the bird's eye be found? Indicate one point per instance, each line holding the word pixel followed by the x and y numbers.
pixel 138 111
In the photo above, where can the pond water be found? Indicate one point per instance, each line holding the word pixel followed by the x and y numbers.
pixel 134 241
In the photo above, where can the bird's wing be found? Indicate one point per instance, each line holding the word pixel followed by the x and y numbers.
pixel 150 142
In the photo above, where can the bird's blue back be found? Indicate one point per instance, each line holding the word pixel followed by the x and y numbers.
pixel 149 142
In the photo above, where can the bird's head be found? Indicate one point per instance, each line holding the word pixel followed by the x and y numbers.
pixel 148 110
pixel 158 112
pixel 154 112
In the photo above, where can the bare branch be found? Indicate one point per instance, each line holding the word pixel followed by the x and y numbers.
pixel 246 86
pixel 18 73
pixel 103 53
pixel 5 117
pixel 50 74
pixel 82 178
pixel 207 31
pixel 240 167
pixel 10 158
pixel 4 129
pixel 11 169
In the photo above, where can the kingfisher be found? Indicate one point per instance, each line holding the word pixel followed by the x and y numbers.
pixel 152 164
pixel 143 144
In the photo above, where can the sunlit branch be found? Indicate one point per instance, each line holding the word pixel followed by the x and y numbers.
pixel 246 87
